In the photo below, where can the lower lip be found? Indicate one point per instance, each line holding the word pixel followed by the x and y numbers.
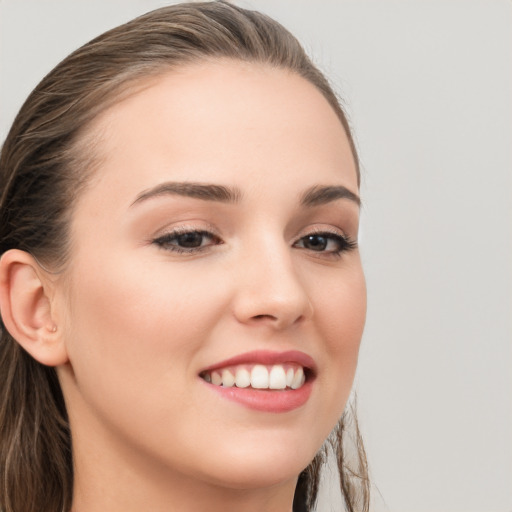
pixel 266 400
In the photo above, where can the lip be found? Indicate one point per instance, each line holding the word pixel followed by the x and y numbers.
pixel 267 357
pixel 265 400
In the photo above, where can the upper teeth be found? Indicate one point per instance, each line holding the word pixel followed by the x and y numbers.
pixel 258 376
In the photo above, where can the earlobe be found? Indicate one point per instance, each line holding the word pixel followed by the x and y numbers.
pixel 26 310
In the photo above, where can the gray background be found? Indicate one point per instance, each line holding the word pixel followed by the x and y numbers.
pixel 428 87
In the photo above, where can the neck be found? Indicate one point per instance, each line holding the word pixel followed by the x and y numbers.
pixel 108 477
pixel 126 490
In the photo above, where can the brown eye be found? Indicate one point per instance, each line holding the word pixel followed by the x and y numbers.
pixel 187 241
pixel 315 242
pixel 328 243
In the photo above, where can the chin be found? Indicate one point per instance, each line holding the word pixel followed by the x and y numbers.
pixel 245 477
pixel 257 468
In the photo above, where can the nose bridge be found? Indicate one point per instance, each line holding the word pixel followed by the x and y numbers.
pixel 269 287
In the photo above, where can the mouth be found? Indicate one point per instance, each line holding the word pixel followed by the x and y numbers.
pixel 258 376
pixel 263 380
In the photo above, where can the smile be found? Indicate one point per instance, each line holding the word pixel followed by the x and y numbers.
pixel 267 381
pixel 258 376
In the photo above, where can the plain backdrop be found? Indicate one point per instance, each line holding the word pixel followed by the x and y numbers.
pixel 428 88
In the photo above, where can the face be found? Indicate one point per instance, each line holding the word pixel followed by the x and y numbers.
pixel 216 243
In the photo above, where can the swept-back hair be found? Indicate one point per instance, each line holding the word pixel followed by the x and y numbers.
pixel 46 161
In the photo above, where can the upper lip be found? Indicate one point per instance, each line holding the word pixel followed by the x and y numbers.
pixel 267 357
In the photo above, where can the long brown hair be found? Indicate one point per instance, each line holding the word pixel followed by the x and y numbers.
pixel 46 160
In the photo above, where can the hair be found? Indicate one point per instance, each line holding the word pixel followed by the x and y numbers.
pixel 47 159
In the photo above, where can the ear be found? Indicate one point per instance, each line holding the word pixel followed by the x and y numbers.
pixel 25 305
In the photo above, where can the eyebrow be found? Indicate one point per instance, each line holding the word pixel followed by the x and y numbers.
pixel 314 196
pixel 204 191
pixel 319 195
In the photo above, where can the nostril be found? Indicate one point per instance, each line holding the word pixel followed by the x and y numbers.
pixel 264 316
pixel 276 321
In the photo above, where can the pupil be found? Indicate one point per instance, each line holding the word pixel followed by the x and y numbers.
pixel 190 239
pixel 316 242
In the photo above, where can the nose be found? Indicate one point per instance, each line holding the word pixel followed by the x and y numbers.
pixel 269 290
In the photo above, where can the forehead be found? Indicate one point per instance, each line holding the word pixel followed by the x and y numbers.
pixel 223 120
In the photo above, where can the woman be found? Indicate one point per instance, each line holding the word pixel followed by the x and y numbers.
pixel 180 286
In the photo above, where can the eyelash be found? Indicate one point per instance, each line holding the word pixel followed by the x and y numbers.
pixel 165 241
pixel 344 243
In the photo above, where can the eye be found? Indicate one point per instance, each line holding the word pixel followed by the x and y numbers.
pixel 325 242
pixel 187 241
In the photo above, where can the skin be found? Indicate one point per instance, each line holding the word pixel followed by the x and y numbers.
pixel 138 321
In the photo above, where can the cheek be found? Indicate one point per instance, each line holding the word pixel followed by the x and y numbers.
pixel 340 305
pixel 341 313
pixel 136 332
pixel 138 322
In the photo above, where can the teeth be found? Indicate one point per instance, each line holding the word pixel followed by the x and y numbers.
pixel 228 379
pixel 298 379
pixel 258 377
pixel 243 378
pixel 289 377
pixel 216 379
pixel 277 378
